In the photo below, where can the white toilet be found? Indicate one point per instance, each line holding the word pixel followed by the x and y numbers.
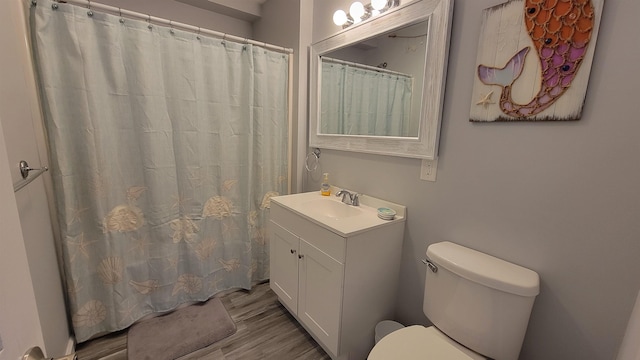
pixel 479 306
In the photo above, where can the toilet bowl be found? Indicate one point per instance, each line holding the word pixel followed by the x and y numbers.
pixel 479 306
pixel 421 343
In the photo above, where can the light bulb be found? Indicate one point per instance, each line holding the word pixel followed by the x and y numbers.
pixel 356 10
pixel 339 17
pixel 378 4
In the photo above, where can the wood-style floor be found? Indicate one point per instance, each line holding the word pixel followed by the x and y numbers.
pixel 266 330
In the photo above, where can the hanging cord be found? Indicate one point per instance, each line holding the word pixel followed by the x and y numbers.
pixel 91 5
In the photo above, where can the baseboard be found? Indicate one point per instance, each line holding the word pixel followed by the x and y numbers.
pixel 67 357
pixel 71 345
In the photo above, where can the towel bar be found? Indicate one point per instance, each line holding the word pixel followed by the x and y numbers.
pixel 25 170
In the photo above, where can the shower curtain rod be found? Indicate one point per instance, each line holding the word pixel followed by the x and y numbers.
pixel 161 21
pixel 363 66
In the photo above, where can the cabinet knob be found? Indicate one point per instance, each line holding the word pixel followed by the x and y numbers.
pixel 293 251
pixel 300 256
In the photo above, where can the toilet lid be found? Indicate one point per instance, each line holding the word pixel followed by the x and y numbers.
pixel 420 343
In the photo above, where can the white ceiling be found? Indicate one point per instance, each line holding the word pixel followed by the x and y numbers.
pixel 248 10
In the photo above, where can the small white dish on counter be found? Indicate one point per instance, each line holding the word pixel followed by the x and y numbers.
pixel 385 213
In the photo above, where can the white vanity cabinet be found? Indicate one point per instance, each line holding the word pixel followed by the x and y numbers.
pixel 337 284
pixel 307 280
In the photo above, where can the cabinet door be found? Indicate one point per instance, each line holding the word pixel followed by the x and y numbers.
pixel 283 266
pixel 320 297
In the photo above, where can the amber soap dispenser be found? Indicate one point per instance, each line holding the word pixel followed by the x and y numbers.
pixel 325 188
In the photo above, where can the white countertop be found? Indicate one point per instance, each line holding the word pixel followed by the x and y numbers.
pixel 356 220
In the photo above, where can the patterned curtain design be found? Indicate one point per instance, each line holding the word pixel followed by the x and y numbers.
pixel 165 149
pixel 358 101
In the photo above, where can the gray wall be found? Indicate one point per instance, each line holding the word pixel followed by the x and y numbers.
pixel 560 198
pixel 184 13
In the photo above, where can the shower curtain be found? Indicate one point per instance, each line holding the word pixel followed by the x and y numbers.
pixel 166 147
pixel 357 101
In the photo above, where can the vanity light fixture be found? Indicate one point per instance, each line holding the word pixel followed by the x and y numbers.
pixel 378 4
pixel 359 12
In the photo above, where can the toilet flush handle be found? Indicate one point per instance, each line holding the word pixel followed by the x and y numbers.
pixel 430 265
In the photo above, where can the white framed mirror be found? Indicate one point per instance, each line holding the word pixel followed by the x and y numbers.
pixel 378 86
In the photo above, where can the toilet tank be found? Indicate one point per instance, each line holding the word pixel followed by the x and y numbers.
pixel 480 301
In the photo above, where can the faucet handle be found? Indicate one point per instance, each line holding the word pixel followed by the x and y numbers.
pixel 346 196
pixel 355 199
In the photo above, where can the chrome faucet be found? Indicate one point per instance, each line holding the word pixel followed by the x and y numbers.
pixel 349 198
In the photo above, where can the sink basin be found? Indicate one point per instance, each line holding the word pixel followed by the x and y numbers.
pixel 332 209
pixel 342 219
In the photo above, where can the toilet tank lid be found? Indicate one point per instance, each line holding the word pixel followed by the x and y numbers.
pixel 485 269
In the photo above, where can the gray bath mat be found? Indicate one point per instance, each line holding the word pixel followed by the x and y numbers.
pixel 179 333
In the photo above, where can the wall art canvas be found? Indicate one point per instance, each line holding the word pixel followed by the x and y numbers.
pixel 534 59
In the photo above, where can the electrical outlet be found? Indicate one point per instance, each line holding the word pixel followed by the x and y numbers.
pixel 429 169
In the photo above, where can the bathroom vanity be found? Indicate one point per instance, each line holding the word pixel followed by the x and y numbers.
pixel 335 267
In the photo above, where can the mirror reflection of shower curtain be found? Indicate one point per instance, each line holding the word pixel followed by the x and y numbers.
pixel 358 101
pixel 165 150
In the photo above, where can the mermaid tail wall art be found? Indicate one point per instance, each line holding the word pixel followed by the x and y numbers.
pixel 534 59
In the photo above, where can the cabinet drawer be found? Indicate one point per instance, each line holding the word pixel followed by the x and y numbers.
pixel 332 244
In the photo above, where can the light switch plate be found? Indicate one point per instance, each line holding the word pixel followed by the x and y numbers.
pixel 429 169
